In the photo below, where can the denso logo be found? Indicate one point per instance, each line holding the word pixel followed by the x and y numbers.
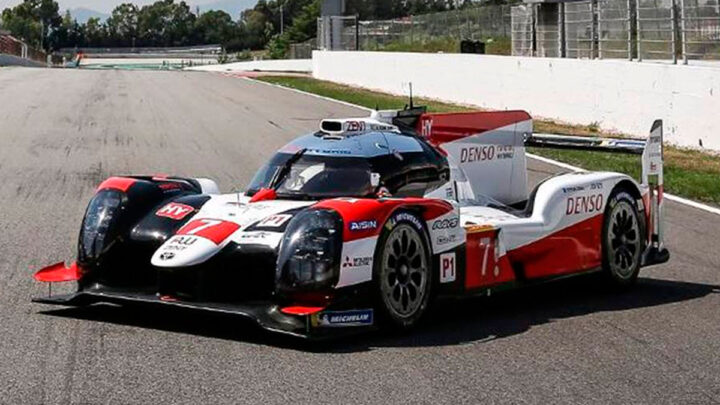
pixel 584 204
pixel 477 153
pixel 486 152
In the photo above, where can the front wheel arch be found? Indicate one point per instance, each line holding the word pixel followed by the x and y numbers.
pixel 409 220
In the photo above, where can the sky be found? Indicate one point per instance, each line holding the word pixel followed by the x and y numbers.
pixel 104 6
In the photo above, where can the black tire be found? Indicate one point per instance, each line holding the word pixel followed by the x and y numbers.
pixel 402 272
pixel 622 239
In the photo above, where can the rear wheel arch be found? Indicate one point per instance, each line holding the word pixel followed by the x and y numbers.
pixel 623 235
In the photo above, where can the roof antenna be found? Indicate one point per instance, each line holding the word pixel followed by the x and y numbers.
pixel 411 96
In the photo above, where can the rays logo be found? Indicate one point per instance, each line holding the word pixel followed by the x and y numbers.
pixel 363 225
pixel 446 223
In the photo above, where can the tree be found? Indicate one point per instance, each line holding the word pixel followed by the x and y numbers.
pixel 94 32
pixel 122 25
pixel 32 20
pixel 215 27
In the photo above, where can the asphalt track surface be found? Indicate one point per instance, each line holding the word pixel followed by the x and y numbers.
pixel 63 131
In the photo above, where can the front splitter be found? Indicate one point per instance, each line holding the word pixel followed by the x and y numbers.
pixel 265 314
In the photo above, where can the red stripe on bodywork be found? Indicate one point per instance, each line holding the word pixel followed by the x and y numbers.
pixel 442 128
pixel 117 183
pixel 357 210
pixel 575 248
pixel 58 273
pixel 213 229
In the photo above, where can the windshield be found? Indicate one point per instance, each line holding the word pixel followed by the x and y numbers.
pixel 315 177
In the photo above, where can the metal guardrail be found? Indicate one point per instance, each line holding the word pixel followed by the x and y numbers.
pixel 195 49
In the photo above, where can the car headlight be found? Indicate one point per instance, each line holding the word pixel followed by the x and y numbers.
pixel 310 252
pixel 97 226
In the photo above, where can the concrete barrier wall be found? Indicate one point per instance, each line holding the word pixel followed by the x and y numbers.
pixel 11 60
pixel 279 65
pixel 617 95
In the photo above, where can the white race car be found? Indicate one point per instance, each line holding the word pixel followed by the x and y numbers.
pixel 366 222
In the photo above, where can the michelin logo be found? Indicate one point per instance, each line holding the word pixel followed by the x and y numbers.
pixel 345 318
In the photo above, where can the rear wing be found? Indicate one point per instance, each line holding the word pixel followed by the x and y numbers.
pixel 652 178
pixel 632 146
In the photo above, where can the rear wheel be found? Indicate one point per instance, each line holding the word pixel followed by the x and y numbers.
pixel 622 239
pixel 402 272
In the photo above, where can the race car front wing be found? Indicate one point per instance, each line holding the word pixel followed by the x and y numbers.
pixel 299 322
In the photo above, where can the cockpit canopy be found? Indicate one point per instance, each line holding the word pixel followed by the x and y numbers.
pixel 328 165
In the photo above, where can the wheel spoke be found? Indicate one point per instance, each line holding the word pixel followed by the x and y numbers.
pixel 412 248
pixel 628 258
pixel 396 247
pixel 392 279
pixel 396 292
pixel 412 292
pixel 416 278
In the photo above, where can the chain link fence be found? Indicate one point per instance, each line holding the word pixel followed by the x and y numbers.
pixel 655 29
pixel 614 19
pixel 523 30
pixel 606 29
pixel 619 29
pixel 700 29
pixel 549 31
pixel 338 33
pixel 579 38
pixel 437 31
pixel 476 23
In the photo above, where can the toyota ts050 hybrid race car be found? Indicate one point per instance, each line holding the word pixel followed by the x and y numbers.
pixel 365 222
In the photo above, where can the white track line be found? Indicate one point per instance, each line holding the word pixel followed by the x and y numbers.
pixel 670 197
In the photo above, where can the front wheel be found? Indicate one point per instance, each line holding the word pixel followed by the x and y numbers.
pixel 622 241
pixel 402 271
